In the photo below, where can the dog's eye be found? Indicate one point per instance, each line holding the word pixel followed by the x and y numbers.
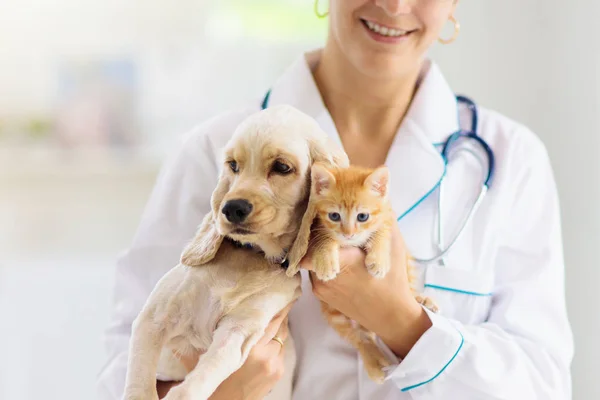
pixel 362 217
pixel 335 217
pixel 281 168
pixel 234 166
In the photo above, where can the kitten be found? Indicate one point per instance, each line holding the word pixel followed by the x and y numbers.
pixel 351 208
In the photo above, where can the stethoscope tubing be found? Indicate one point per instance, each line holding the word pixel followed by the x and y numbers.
pixel 445 154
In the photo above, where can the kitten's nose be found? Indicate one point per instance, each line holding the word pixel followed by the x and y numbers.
pixel 237 210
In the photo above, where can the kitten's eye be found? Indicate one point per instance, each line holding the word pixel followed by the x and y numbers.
pixel 234 166
pixel 335 217
pixel 362 217
pixel 281 168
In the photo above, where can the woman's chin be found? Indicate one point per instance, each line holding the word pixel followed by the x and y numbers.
pixel 384 65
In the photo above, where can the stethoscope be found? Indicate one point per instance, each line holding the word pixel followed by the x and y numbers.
pixel 449 149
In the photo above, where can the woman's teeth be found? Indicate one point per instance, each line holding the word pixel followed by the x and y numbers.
pixel 385 31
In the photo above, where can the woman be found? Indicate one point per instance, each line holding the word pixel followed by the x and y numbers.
pixel 502 331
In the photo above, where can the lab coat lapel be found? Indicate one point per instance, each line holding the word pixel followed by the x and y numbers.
pixel 415 168
pixel 415 164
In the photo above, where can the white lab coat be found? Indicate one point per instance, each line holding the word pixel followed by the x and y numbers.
pixel 502 332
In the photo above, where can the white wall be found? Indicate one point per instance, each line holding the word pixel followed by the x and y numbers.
pixel 539 63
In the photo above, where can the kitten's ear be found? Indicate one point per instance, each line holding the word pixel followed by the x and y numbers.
pixel 378 181
pixel 321 179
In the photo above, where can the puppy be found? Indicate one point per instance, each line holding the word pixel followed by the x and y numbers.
pixel 230 283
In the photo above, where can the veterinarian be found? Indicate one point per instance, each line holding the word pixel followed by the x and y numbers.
pixel 502 331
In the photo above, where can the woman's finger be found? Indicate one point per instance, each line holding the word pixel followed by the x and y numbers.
pixel 398 241
pixel 282 334
pixel 283 331
pixel 281 353
pixel 280 316
pixel 286 310
pixel 275 324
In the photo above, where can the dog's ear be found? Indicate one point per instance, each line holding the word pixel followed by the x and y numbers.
pixel 300 245
pixel 326 152
pixel 323 152
pixel 320 176
pixel 323 149
pixel 205 244
pixel 207 240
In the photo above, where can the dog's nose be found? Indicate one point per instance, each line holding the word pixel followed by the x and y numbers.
pixel 236 211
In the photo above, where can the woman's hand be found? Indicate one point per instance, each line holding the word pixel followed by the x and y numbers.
pixel 263 368
pixel 385 306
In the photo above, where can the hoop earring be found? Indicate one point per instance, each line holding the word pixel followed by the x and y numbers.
pixel 317 13
pixel 455 34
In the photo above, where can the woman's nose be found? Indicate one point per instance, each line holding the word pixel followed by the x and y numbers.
pixel 395 7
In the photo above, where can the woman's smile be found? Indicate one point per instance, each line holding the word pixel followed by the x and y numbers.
pixel 385 34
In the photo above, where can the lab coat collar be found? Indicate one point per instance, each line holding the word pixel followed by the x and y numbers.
pixel 297 87
pixel 433 108
pixel 431 118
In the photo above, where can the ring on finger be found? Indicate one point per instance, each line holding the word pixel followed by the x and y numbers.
pixel 278 340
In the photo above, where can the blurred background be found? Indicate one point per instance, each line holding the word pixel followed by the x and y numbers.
pixel 94 94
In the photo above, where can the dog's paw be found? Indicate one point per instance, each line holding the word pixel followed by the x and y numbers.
pixel 149 395
pixel 180 392
pixel 427 302
pixel 377 266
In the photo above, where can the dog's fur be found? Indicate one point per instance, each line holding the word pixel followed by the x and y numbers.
pixel 218 301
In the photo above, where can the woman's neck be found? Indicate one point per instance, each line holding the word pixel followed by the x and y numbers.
pixel 360 105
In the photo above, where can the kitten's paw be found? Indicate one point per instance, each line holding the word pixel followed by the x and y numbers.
pixel 326 263
pixel 427 302
pixel 377 266
pixel 327 272
pixel 373 358
pixel 374 366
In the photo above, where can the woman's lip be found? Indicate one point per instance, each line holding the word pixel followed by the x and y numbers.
pixel 386 26
pixel 385 39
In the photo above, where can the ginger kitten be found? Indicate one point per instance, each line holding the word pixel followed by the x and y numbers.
pixel 352 209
